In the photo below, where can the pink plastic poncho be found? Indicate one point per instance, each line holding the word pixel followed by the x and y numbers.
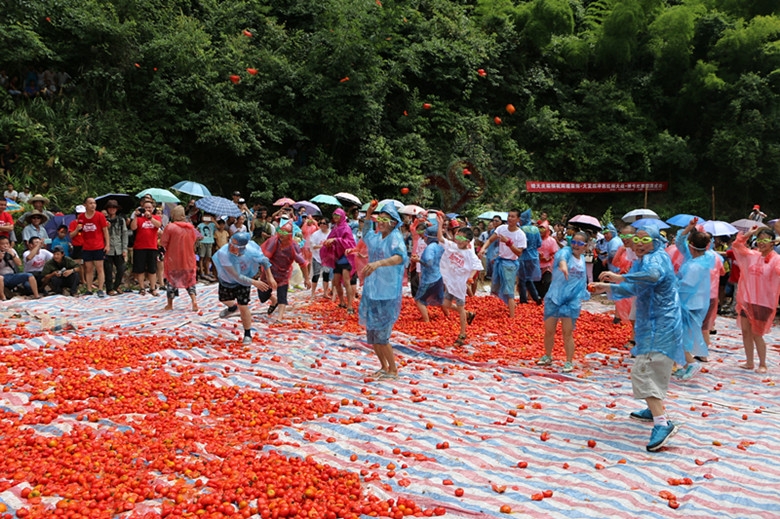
pixel 343 239
pixel 179 239
pixel 282 256
pixel 677 257
pixel 547 253
pixel 759 285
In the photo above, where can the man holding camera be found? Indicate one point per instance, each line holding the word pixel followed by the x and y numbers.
pixel 146 225
pixel 61 272
pixel 9 277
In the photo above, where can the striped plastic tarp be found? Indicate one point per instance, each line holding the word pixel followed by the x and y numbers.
pixel 493 418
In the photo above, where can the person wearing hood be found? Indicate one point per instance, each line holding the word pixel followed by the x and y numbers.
pixel 757 293
pixel 334 256
pixel 529 271
pixel 282 251
pixel 181 268
pixel 431 289
pixel 383 276
pixel 658 328
pixel 546 255
pixel 695 281
pixel 237 263
pixel 563 300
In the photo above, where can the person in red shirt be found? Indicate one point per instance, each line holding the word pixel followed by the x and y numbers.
pixel 146 226
pixel 93 228
pixel 6 220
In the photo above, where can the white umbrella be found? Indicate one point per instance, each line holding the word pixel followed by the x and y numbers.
pixel 411 210
pixel 396 203
pixel 719 228
pixel 745 224
pixel 348 197
pixel 636 214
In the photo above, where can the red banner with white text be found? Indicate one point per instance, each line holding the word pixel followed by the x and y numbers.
pixel 539 186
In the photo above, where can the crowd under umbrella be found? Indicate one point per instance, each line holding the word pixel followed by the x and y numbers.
pixel 347 198
pixel 326 199
pixel 682 219
pixel 159 195
pixel 746 224
pixel 719 228
pixel 126 202
pixel 636 214
pixel 188 187
pixel 284 201
pixel 218 206
pixel 645 222
pixel 586 221
pixel 311 209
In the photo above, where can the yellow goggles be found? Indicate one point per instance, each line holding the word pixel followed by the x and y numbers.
pixel 642 239
pixel 383 219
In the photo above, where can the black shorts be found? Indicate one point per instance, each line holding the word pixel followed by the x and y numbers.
pixel 341 265
pixel 238 293
pixel 76 253
pixel 281 294
pixel 145 261
pixel 93 255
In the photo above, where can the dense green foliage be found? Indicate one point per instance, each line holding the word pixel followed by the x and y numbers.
pixel 684 91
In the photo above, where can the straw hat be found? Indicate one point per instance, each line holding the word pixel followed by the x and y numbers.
pixel 38 198
pixel 30 215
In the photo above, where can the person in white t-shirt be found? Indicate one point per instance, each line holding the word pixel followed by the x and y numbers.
pixel 315 241
pixel 35 257
pixel 459 266
pixel 511 244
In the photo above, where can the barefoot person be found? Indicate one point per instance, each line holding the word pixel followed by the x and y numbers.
pixel 380 305
pixel 181 268
pixel 658 328
pixel 333 255
pixel 511 244
pixel 563 301
pixel 430 290
pixel 237 263
pixel 757 293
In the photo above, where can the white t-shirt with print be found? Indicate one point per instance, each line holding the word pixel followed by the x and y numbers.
pixel 517 237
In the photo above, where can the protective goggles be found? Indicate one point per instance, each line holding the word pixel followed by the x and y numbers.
pixel 642 239
pixel 578 243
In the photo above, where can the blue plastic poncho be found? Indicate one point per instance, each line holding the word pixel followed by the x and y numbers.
pixel 658 319
pixel 238 270
pixel 695 280
pixel 565 296
pixel 380 304
pixel 613 246
pixel 431 290
pixel 529 269
pixel 504 278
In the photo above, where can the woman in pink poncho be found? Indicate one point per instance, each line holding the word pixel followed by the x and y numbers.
pixel 334 255
pixel 757 293
pixel 181 269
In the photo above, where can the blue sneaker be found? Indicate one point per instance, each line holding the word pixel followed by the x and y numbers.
pixel 643 416
pixel 690 371
pixel 678 373
pixel 661 436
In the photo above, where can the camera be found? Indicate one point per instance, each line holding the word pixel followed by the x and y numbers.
pixel 62 271
pixel 140 211
pixel 8 257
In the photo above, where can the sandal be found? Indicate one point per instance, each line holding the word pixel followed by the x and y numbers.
pixel 154 292
pixel 378 373
pixel 470 317
pixel 271 309
pixel 389 376
pixel 350 311
pixel 745 366
pixel 461 340
pixel 142 292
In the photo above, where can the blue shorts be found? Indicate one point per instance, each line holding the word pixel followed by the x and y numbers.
pixel 565 311
pixel 379 336
pixel 93 255
pixel 458 302
pixel 431 294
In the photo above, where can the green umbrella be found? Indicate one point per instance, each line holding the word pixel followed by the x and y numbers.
pixel 159 195
pixel 326 199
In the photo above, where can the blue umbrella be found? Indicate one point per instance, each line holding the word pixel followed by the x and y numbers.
pixel 682 220
pixel 188 187
pixel 643 222
pixel 218 206
pixel 326 199
pixel 452 216
pixel 489 215
pixel 159 195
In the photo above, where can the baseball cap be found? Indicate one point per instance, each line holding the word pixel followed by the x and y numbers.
pixel 58 248
pixel 241 201
pixel 81 209
pixel 236 193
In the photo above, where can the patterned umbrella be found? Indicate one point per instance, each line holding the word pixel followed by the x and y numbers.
pixel 218 206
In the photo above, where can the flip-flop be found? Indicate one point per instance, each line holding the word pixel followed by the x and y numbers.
pixel 745 366
pixel 389 376
pixel 378 373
